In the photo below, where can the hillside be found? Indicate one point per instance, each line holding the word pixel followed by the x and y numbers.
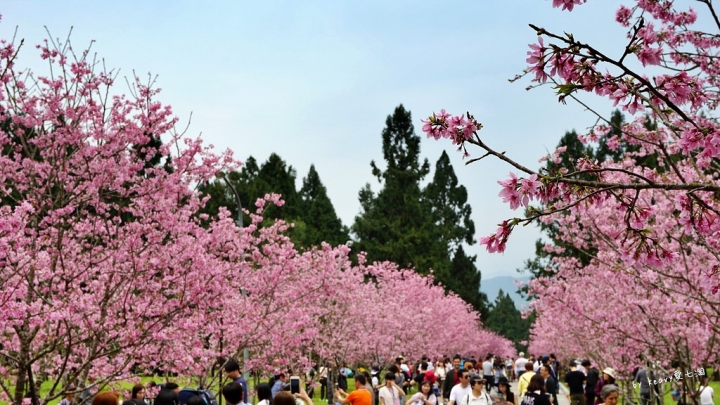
pixel 492 286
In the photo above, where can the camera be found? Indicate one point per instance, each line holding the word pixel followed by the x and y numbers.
pixel 294 384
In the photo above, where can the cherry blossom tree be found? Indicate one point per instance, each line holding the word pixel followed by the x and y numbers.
pixel 106 265
pixel 651 291
pixel 101 254
pixel 680 101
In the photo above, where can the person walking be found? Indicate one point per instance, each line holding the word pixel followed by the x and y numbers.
pixel 591 378
pixel 323 374
pixel 232 370
pixel 509 369
pixel 551 385
pixel 535 393
pixel 575 380
pixel 608 377
pixel 519 366
pixel 505 394
pixel 459 391
pixel 525 378
pixel 424 396
pixel 477 395
pixel 390 393
pixel 399 380
pixel 440 373
pixel 452 377
pixel 487 370
pixel 707 395
pixel 609 394
pixel 555 366
pixel 642 378
pixel 498 371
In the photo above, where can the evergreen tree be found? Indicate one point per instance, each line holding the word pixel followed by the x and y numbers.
pixel 464 280
pixel 423 228
pixel 506 320
pixel 542 265
pixel 275 176
pixel 603 152
pixel 310 210
pixel 451 227
pixel 318 214
pixel 450 210
pixel 395 224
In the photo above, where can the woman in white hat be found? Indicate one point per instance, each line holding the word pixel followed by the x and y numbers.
pixel 608 377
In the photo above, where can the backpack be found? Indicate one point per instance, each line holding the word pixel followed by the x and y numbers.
pixel 206 395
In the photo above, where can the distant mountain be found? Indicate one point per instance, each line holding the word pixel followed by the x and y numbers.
pixel 492 287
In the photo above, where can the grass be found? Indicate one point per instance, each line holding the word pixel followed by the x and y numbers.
pixel 183 382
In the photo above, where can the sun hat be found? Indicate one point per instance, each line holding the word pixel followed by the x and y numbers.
pixel 609 372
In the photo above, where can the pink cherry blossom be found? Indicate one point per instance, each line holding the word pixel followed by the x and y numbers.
pixel 567 4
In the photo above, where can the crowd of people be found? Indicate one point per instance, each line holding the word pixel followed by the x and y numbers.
pixel 457 381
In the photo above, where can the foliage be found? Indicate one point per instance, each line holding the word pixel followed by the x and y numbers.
pixel 393 225
pixel 99 248
pixel 318 213
pixel 309 210
pixel 507 321
pixel 420 227
pixel 645 209
pixel 106 265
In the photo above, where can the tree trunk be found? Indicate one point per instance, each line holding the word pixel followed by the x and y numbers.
pixel 33 389
pixel 22 372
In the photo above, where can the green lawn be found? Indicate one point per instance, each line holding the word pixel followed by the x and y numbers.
pixel 668 399
pixel 123 385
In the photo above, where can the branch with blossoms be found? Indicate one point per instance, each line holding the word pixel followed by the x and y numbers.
pixel 548 188
pixel 688 142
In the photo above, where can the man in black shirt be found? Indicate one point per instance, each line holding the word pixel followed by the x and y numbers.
pixel 575 380
pixel 593 375
pixel 420 375
pixel 551 385
pixel 452 378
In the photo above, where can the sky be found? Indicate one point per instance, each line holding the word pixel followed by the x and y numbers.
pixel 314 81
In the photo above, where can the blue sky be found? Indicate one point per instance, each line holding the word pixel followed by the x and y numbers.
pixel 314 81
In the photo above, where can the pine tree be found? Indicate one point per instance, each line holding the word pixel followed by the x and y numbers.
pixel 506 320
pixel 542 265
pixel 451 227
pixel 321 222
pixel 395 224
pixel 464 280
pixel 275 176
pixel 310 210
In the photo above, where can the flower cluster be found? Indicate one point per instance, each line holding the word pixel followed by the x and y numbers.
pixel 457 128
